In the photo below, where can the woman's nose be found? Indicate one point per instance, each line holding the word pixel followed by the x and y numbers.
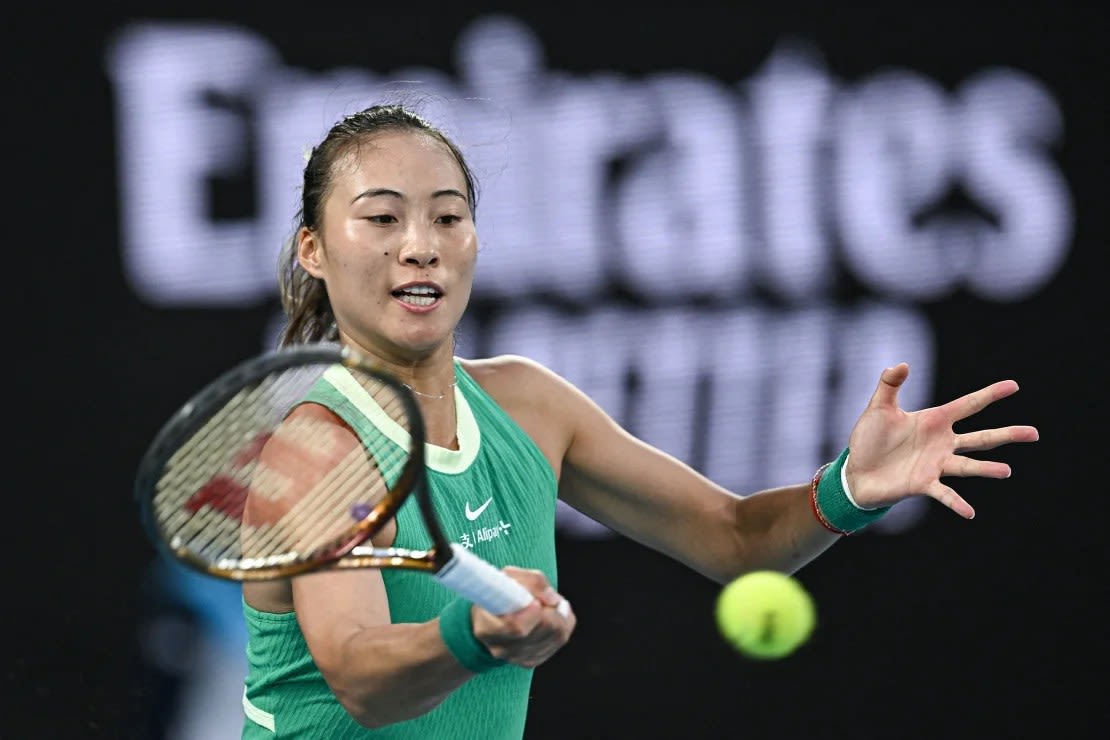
pixel 419 250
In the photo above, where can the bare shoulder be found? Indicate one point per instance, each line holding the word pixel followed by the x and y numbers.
pixel 544 404
pixel 515 379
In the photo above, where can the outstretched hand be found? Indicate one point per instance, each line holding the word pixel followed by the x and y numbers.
pixel 897 454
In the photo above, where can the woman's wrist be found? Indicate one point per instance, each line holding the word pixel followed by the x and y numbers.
pixel 832 501
pixel 456 627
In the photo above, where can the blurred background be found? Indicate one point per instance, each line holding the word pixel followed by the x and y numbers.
pixel 758 207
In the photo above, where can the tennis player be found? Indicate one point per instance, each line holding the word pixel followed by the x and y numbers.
pixel 383 260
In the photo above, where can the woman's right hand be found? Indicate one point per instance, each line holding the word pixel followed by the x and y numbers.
pixel 528 636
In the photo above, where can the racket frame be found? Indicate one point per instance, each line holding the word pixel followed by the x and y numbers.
pixel 412 480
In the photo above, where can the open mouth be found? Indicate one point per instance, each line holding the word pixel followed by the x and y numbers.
pixel 418 295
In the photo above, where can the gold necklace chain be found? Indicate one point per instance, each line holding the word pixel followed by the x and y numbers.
pixel 432 396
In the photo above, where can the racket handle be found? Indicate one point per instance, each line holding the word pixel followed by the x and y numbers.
pixel 478 581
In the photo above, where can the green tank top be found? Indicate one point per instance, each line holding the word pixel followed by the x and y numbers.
pixel 496 495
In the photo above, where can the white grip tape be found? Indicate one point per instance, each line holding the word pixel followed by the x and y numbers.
pixel 478 581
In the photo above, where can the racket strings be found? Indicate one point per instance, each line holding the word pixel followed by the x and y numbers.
pixel 321 515
pixel 211 481
pixel 347 493
pixel 199 472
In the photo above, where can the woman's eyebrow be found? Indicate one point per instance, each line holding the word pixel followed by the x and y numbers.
pixel 448 191
pixel 375 192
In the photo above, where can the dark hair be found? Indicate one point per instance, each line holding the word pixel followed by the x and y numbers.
pixel 309 315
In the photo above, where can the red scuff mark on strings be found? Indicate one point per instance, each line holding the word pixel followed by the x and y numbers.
pixel 223 492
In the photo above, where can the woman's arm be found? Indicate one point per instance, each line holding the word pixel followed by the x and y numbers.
pixel 653 498
pixel 656 499
pixel 384 673
pixel 381 672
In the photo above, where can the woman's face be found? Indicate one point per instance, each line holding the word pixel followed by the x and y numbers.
pixel 396 245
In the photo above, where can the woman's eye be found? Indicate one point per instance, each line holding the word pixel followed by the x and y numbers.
pixel 382 219
pixel 449 219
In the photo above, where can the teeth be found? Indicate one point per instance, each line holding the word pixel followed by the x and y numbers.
pixel 418 295
pixel 417 300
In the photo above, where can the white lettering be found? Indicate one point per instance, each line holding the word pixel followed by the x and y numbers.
pixel 632 229
pixel 1009 122
pixel 169 141
pixel 893 153
pixel 790 100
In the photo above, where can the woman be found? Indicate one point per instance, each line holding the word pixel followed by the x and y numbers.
pixel 383 260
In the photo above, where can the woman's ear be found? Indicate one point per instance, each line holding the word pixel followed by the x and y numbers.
pixel 310 252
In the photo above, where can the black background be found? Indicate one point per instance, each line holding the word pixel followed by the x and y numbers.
pixel 988 628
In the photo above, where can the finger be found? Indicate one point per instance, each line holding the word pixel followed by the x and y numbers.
pixel 968 467
pixel 974 402
pixel 536 582
pixel 546 627
pixel 951 499
pixel 890 380
pixel 552 599
pixel 549 637
pixel 988 439
pixel 550 633
pixel 561 620
pixel 512 626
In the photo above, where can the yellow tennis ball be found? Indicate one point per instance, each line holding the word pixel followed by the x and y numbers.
pixel 765 614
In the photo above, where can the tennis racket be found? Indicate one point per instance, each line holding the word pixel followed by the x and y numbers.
pixel 251 480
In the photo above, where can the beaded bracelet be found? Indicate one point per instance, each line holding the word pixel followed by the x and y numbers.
pixel 832 502
pixel 457 630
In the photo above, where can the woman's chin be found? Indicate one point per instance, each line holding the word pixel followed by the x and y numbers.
pixel 422 343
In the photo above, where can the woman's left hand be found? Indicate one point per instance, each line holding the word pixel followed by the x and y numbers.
pixel 897 454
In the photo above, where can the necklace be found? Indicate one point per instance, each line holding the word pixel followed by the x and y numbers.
pixel 432 396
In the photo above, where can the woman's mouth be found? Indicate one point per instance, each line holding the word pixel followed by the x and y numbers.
pixel 419 296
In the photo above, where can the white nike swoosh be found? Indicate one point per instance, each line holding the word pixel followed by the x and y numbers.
pixel 472 515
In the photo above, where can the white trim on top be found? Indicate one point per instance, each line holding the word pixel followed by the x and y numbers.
pixel 439 459
pixel 256 715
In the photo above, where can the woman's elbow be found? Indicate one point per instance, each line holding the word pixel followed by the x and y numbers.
pixel 375 708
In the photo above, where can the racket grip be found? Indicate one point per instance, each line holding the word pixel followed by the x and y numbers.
pixel 484 584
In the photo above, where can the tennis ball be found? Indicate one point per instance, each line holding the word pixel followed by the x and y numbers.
pixel 765 614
